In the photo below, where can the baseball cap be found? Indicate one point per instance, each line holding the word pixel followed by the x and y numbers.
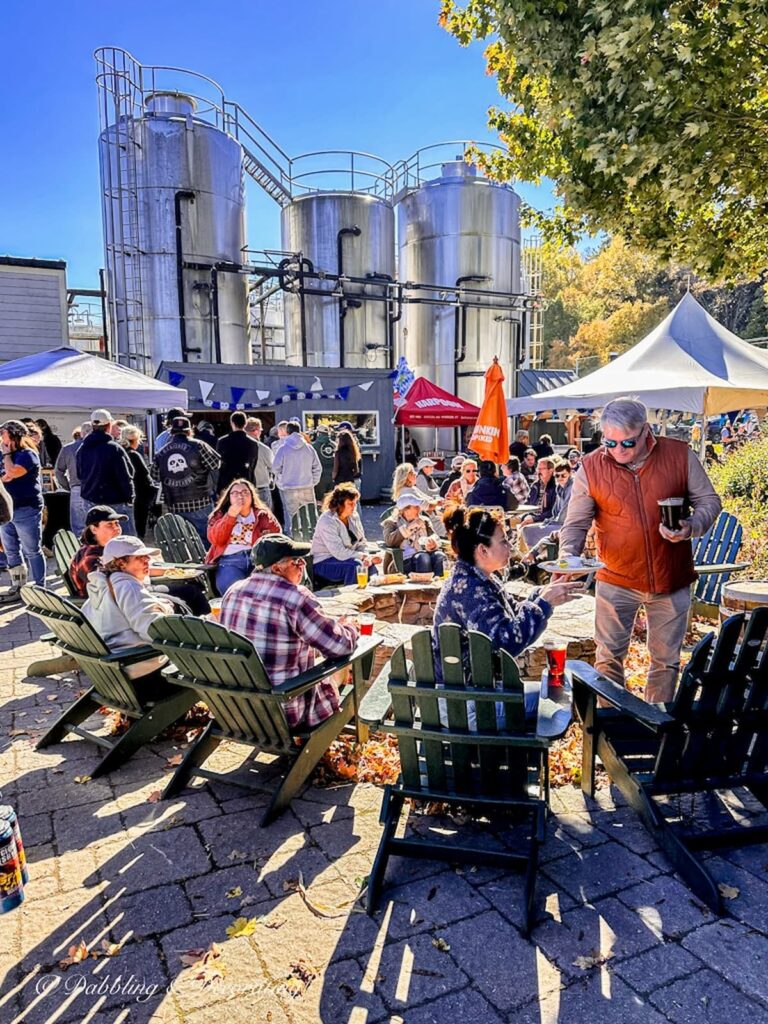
pixel 179 424
pixel 458 461
pixel 124 547
pixel 101 416
pixel 344 425
pixel 102 514
pixel 275 546
pixel 408 498
pixel 487 467
pixel 425 462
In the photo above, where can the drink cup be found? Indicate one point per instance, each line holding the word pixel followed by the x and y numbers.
pixel 366 624
pixel 215 604
pixel 362 576
pixel 556 654
pixel 671 512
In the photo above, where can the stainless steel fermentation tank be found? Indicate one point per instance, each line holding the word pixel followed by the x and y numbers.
pixel 174 224
pixel 340 232
pixel 460 230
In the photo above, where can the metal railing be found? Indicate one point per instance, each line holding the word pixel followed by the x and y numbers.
pixel 426 163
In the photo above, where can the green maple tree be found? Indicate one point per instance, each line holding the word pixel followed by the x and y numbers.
pixel 650 118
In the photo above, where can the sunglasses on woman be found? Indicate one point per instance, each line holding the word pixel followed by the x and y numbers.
pixel 629 442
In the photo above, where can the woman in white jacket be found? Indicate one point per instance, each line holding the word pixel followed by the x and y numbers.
pixel 339 544
pixel 120 605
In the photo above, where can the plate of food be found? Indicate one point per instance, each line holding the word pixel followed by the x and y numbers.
pixel 421 577
pixel 389 579
pixel 572 565
pixel 179 573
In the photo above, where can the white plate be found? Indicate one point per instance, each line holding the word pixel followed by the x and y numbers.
pixel 572 570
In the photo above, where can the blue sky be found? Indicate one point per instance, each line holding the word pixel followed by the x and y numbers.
pixel 349 74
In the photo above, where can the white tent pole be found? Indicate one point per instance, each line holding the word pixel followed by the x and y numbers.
pixel 703 441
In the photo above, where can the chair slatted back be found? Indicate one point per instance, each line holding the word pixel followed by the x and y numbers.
pixel 439 752
pixel 65 547
pixel 398 561
pixel 387 513
pixel 722 707
pixel 178 540
pixel 75 635
pixel 304 522
pixel 721 543
pixel 228 673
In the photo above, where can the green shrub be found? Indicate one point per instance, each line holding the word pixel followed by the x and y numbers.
pixel 741 480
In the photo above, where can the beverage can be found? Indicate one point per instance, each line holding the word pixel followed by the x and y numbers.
pixel 8 814
pixel 11 885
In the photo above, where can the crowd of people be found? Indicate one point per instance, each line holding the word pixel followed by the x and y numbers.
pixel 240 492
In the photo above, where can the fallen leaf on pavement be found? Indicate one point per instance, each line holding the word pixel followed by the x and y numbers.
pixel 175 761
pixel 728 892
pixel 234 893
pixel 441 944
pixel 586 963
pixel 82 779
pixel 154 796
pixel 75 955
pixel 242 926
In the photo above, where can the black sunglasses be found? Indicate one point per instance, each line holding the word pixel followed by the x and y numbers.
pixel 630 442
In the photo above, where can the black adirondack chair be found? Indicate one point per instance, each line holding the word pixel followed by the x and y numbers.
pixel 65 547
pixel 111 686
pixel 718 546
pixel 673 763
pixel 223 669
pixel 180 542
pixel 304 522
pixel 495 769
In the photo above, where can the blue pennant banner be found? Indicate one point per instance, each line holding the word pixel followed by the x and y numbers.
pixel 175 378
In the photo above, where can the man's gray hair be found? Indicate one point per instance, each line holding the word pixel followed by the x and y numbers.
pixel 85 429
pixel 624 413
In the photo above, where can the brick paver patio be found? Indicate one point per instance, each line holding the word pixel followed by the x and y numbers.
pixel 618 938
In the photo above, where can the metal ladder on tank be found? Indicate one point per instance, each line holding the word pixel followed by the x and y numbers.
pixel 128 200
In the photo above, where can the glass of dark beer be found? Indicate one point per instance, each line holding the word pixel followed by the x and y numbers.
pixel 671 512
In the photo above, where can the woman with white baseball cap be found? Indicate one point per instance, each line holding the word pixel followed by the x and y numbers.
pixel 120 605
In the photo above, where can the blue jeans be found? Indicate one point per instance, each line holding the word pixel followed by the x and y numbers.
pixel 122 509
pixel 199 520
pixel 24 536
pixel 232 568
pixel 77 511
pixel 425 561
pixel 337 570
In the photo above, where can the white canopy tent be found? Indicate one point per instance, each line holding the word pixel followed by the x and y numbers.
pixel 67 379
pixel 689 363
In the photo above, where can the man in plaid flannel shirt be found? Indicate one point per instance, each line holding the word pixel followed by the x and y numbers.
pixel 286 625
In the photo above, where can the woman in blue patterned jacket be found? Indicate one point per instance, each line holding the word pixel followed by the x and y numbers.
pixel 474 597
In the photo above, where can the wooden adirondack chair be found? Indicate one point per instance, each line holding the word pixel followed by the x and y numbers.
pixel 718 546
pixel 304 522
pixel 65 547
pixel 712 737
pixel 491 770
pixel 223 669
pixel 111 685
pixel 180 542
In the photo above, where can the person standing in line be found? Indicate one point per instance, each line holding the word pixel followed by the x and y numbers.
pixel 164 436
pixel 281 432
pixel 326 452
pixel 239 453
pixel 65 471
pixel 346 460
pixel 297 471
pixel 106 475
pixel 262 473
pixel 146 492
pixel 51 441
pixel 543 447
pixel 183 468
pixel 22 535
pixel 618 488
pixel 204 431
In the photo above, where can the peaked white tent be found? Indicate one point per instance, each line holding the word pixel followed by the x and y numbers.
pixel 689 363
pixel 65 378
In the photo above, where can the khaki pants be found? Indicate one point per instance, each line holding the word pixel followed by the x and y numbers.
pixel 293 499
pixel 667 616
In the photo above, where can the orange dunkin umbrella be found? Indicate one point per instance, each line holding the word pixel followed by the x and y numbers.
pixel 490 437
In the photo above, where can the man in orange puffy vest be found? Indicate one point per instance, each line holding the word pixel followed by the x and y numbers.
pixel 618 488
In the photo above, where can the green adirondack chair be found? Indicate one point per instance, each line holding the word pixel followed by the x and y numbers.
pixel 710 740
pixel 111 685
pixel 488 771
pixel 65 547
pixel 223 669
pixel 304 522
pixel 180 542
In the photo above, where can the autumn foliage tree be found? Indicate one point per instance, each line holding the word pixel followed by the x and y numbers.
pixel 650 118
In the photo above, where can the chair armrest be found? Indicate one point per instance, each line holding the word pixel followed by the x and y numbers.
pixel 299 684
pixel 375 705
pixel 649 714
pixel 130 654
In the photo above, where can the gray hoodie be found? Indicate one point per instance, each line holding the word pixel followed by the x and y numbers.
pixel 296 463
pixel 123 620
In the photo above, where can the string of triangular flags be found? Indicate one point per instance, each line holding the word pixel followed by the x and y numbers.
pixel 289 393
